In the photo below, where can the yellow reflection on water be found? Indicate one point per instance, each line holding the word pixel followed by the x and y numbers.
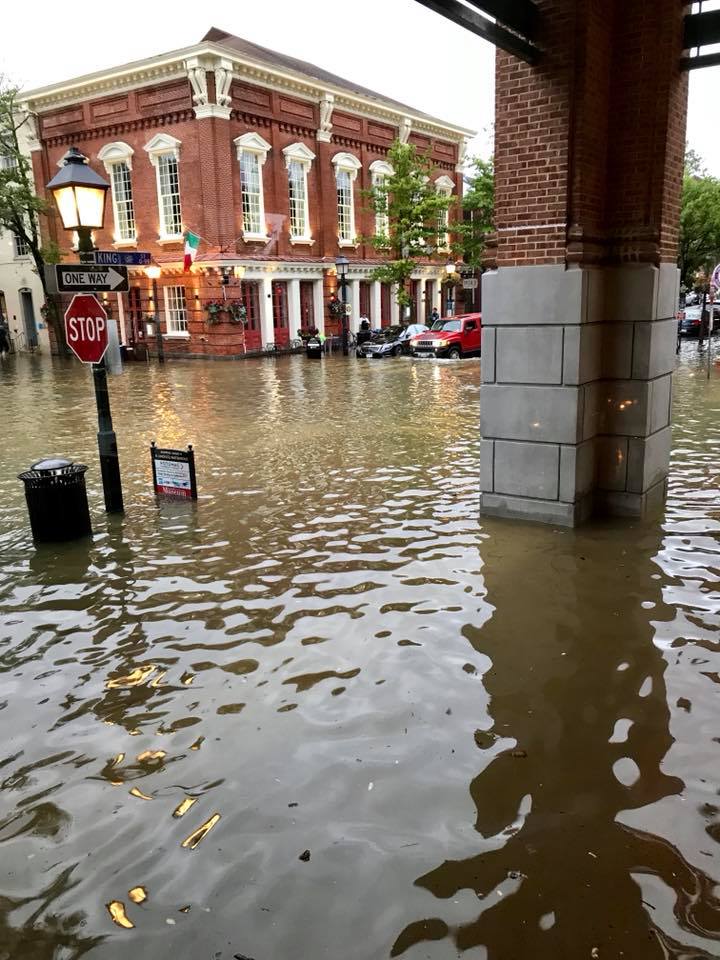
pixel 116 760
pixel 197 835
pixel 156 682
pixel 197 744
pixel 133 679
pixel 116 909
pixel 182 808
pixel 138 793
pixel 148 755
pixel 138 894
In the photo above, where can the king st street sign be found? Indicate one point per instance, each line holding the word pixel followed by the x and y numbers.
pixel 83 276
pixel 114 258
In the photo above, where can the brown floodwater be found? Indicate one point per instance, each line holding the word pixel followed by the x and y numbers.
pixel 328 711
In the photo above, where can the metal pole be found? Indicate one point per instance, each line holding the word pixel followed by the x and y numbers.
pixel 107 443
pixel 343 297
pixel 158 331
pixel 711 318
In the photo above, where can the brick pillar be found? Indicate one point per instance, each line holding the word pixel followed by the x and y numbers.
pixel 579 306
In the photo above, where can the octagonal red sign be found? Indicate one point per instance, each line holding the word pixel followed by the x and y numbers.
pixel 86 328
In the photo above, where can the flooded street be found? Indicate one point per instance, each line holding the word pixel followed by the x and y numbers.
pixel 495 740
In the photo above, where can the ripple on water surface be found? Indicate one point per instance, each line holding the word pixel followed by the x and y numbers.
pixel 325 712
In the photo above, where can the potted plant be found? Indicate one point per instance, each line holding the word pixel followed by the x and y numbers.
pixel 337 307
pixel 214 308
pixel 237 311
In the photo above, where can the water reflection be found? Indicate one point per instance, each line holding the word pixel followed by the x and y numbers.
pixel 550 803
pixel 498 741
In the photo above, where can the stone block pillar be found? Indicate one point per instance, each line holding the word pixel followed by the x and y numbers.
pixel 579 302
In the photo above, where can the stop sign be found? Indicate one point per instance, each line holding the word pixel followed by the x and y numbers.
pixel 86 328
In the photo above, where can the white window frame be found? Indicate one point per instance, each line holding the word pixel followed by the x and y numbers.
pixel 112 156
pixel 18 252
pixel 303 155
pixel 175 326
pixel 163 145
pixel 445 186
pixel 380 170
pixel 348 164
pixel 253 145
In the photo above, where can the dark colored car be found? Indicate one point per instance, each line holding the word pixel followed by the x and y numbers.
pixel 689 322
pixel 391 341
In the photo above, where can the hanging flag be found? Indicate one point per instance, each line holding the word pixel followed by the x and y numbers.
pixel 192 242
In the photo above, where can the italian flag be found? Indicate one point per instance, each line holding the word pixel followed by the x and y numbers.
pixel 192 242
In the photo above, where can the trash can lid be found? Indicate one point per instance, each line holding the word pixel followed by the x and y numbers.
pixel 50 464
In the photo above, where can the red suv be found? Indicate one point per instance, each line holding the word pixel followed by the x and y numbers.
pixel 451 337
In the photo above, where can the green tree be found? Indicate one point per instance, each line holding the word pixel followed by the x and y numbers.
pixel 415 215
pixel 699 220
pixel 478 212
pixel 20 208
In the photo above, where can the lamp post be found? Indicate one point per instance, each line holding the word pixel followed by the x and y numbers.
pixel 79 195
pixel 342 264
pixel 153 272
pixel 450 268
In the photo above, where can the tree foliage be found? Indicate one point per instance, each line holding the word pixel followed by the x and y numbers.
pixel 699 220
pixel 20 207
pixel 478 210
pixel 414 211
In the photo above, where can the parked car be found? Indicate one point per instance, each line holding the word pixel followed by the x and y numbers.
pixel 391 341
pixel 451 337
pixel 689 321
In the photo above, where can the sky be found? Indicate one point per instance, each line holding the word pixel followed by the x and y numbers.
pixel 396 47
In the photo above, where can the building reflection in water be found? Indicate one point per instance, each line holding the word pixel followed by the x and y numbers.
pixel 580 730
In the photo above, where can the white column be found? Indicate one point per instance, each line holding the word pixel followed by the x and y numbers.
pixel 121 318
pixel 294 308
pixel 421 306
pixel 319 305
pixel 375 304
pixel 438 296
pixel 394 306
pixel 355 305
pixel 267 334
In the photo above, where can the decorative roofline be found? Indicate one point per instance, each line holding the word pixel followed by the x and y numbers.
pixel 171 66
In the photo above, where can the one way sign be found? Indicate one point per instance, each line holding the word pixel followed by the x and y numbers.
pixel 82 276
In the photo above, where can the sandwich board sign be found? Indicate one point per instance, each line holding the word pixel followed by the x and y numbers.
pixel 174 472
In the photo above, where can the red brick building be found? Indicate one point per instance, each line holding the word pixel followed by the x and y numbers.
pixel 261 155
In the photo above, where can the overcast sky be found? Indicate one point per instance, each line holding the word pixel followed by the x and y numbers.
pixel 396 47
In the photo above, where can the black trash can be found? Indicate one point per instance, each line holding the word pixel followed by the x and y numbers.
pixel 57 500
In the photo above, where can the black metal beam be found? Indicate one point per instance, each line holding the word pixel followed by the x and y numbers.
pixel 466 17
pixel 704 60
pixel 520 16
pixel 701 29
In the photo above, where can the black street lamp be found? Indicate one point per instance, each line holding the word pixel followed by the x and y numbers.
pixel 79 195
pixel 342 264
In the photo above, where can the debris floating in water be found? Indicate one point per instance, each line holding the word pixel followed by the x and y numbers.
pixel 304 856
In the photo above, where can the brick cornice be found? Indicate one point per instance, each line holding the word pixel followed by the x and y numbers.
pixel 117 129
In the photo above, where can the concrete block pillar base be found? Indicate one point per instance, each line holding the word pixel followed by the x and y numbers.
pixel 576 390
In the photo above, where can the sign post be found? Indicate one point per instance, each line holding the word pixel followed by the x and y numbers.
pixel 86 332
pixel 174 472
